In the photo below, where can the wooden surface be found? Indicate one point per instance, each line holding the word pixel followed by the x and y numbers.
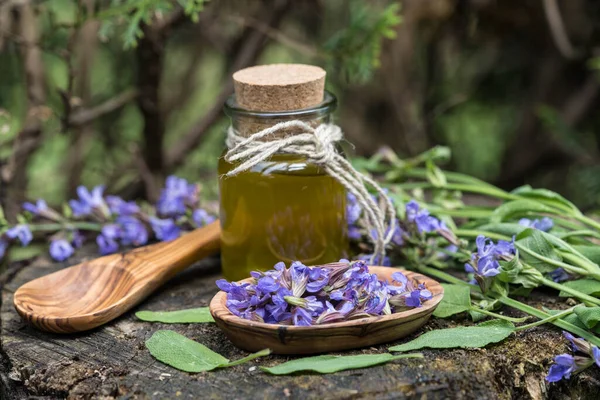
pixel 112 362
pixel 94 292
pixel 254 336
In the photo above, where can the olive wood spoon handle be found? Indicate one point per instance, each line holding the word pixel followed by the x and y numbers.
pixel 94 292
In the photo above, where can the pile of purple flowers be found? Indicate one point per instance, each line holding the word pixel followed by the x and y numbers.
pixel 304 296
pixel 417 222
pixel 566 364
pixel 114 221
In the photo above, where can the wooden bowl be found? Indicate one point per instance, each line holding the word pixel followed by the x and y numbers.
pixel 285 339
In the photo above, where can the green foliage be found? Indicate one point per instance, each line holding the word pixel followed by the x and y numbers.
pixel 130 14
pixel 535 241
pixel 192 315
pixel 327 364
pixel 354 50
pixel 464 337
pixel 587 286
pixel 187 355
pixel 457 299
pixel 477 134
pixel 589 316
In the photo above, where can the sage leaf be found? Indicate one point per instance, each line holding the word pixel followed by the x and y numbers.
pixel 533 240
pixel 179 352
pixel 592 253
pixel 509 229
pixel 192 315
pixel 457 299
pixel 574 320
pixel 548 197
pixel 182 353
pixel 513 271
pixel 517 208
pixel 587 286
pixel 463 336
pixel 327 364
pixel 589 316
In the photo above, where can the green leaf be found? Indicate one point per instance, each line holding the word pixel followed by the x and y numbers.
pixel 187 355
pixel 457 299
pixel 590 252
pixel 587 286
pixel 547 197
pixel 574 320
pixel 189 316
pixel 590 316
pixel 182 353
pixel 535 241
pixel 517 208
pixel 514 271
pixel 463 336
pixel 503 228
pixel 327 364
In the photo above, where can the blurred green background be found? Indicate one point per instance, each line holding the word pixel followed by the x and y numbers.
pixel 125 92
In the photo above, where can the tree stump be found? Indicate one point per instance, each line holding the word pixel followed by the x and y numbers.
pixel 112 362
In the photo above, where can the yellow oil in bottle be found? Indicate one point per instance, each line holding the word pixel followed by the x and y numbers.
pixel 283 209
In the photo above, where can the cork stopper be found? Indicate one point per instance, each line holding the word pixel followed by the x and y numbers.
pixel 279 87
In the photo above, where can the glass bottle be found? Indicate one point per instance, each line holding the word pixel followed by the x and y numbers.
pixel 283 209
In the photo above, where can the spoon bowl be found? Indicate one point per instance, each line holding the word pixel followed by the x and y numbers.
pixel 286 339
pixel 94 292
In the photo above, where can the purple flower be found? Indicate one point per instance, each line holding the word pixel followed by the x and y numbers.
pixel 420 217
pixel 202 217
pixel 564 365
pixel 175 196
pixel 318 279
pixel 299 278
pixel 3 247
pixel 21 232
pixel 133 231
pixel 278 308
pixel 485 263
pixel 559 275
pixel 301 317
pixel 89 201
pixel 78 239
pixel 267 284
pixel 119 206
pixel 60 249
pixel 353 209
pixel 111 231
pixel 544 224
pixel 36 209
pixel 164 229
pixel 412 209
pixel 106 245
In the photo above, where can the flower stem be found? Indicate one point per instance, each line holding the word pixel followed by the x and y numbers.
pixel 516 304
pixel 587 269
pixel 87 226
pixel 546 320
pixel 575 293
pixel 499 316
pixel 543 315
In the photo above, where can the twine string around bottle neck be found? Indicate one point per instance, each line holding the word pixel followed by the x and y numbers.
pixel 317 145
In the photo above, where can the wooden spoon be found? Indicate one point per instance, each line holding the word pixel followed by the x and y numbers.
pixel 94 292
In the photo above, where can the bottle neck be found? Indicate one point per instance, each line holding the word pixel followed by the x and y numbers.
pixel 247 122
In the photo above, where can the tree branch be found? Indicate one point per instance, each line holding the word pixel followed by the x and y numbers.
pixel 14 174
pixel 85 116
pixel 252 45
